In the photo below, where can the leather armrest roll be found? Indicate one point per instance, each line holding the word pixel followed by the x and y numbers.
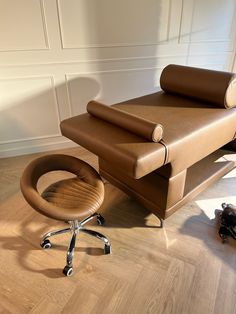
pixel 139 126
pixel 216 87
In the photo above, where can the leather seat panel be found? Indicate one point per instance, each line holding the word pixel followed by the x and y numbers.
pixel 130 153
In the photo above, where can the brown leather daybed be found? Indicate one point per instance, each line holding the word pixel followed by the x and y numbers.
pixel 164 148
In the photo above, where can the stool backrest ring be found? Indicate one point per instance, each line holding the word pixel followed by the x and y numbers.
pixel 48 163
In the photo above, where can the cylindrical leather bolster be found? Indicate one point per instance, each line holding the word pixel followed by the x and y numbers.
pixel 139 126
pixel 216 87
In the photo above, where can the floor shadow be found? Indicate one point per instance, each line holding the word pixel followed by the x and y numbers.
pixel 207 230
pixel 130 214
pixel 127 214
pixel 24 245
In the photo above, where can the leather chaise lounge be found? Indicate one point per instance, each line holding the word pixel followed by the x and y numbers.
pixel 164 148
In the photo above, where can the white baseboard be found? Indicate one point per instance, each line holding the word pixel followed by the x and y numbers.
pixel 30 147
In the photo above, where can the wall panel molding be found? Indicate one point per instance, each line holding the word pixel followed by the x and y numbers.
pixel 13 106
pixel 160 52
pixel 103 86
pixel 62 53
pixel 64 45
pixel 38 32
pixel 45 29
pixel 189 32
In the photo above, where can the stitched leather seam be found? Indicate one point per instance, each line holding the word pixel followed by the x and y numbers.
pixel 166 151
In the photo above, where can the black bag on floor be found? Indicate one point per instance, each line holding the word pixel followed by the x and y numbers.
pixel 228 222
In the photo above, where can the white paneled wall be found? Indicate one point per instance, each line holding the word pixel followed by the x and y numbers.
pixel 56 55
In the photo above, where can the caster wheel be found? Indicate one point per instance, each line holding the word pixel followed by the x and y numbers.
pixel 46 244
pixel 68 271
pixel 107 249
pixel 100 220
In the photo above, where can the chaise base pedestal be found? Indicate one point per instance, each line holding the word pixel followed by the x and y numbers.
pixel 163 196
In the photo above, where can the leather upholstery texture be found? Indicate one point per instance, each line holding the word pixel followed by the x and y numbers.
pixel 196 124
pixel 128 151
pixel 216 87
pixel 68 199
pixel 164 195
pixel 192 129
pixel 139 126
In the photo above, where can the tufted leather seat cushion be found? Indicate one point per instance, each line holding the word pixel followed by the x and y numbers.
pixel 68 199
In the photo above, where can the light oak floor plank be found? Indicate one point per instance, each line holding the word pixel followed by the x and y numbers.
pixel 182 268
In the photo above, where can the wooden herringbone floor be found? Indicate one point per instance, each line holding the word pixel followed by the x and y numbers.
pixel 182 268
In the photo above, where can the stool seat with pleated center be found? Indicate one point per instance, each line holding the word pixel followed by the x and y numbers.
pixel 74 200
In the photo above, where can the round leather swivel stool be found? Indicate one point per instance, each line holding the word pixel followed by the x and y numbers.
pixel 74 200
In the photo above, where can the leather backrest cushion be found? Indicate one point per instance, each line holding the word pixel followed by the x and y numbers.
pixel 139 126
pixel 216 87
